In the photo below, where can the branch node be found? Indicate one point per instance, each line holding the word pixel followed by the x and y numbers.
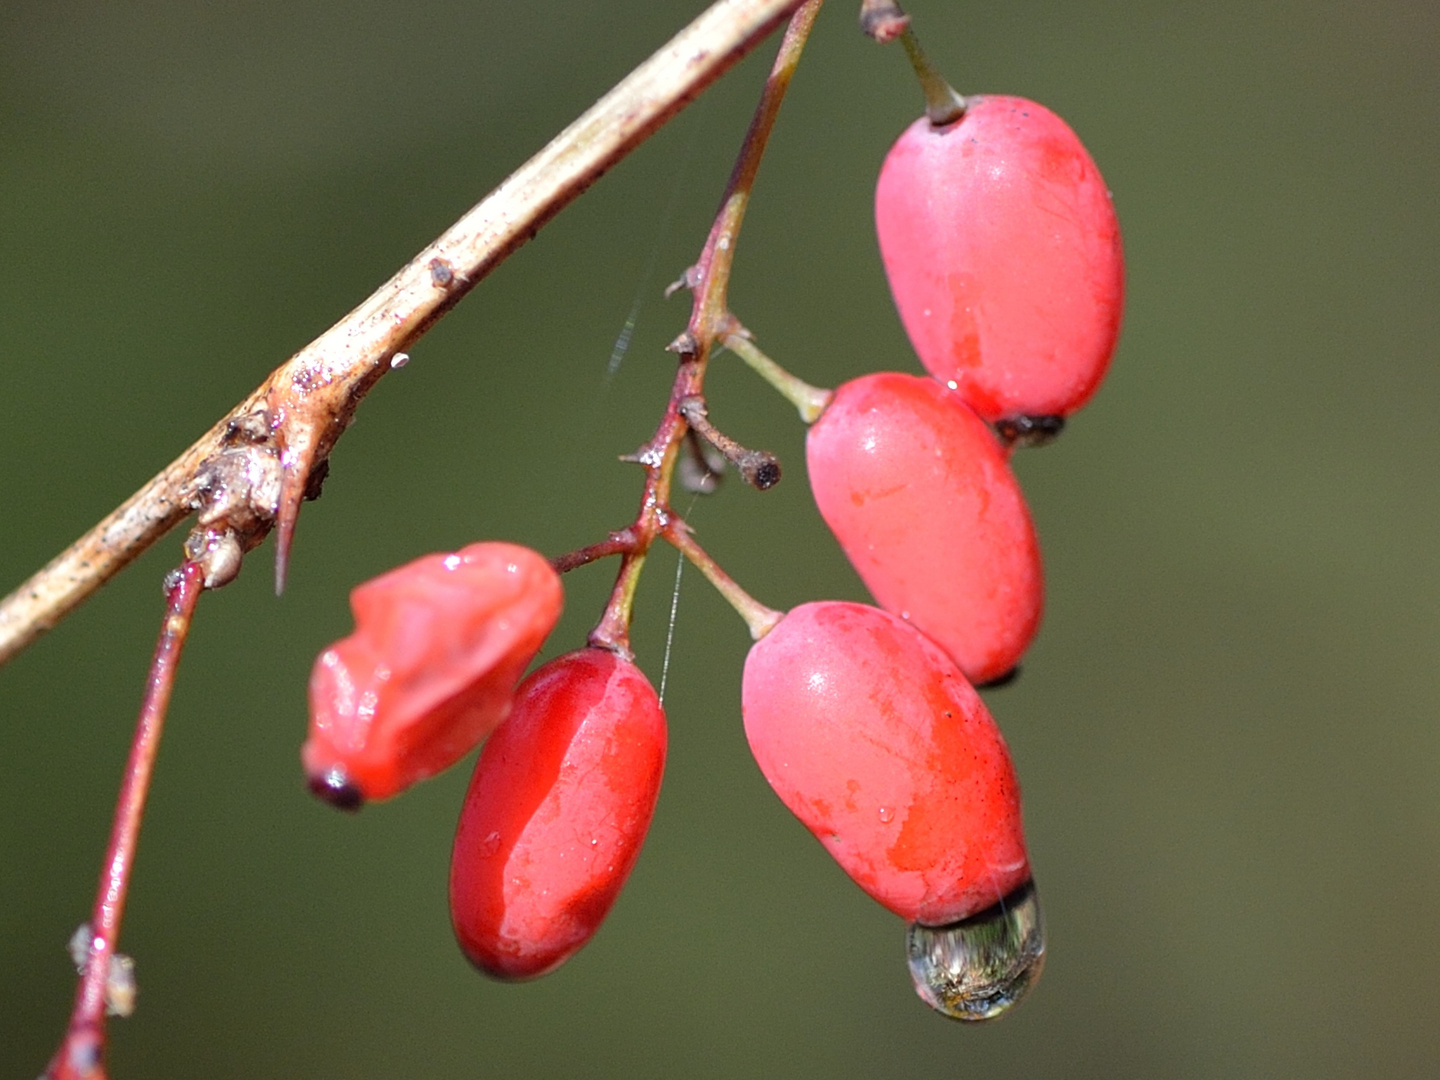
pixel 442 273
pixel 686 345
pixel 690 280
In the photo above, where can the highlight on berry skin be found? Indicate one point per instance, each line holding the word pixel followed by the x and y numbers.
pixel 556 813
pixel 430 670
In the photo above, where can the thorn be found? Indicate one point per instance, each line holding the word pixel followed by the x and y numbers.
pixel 292 493
pixel 299 448
pixel 684 345
pixel 688 280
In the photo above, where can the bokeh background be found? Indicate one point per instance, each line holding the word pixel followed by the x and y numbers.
pixel 1227 731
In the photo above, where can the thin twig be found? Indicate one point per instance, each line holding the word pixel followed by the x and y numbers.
pixel 709 280
pixel 311 398
pixel 81 1053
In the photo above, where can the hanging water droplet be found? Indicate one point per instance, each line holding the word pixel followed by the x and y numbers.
pixel 977 968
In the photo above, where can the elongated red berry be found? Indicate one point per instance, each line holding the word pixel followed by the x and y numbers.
pixel 438 647
pixel 1000 241
pixel 921 497
pixel 556 813
pixel 873 739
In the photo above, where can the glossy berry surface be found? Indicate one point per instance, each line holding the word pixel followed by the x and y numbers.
pixel 556 813
pixel 438 647
pixel 921 497
pixel 1003 252
pixel 873 739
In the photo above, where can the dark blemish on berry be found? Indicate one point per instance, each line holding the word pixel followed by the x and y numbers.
pixel 334 786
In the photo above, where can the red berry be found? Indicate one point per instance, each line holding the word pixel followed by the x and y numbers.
pixel 439 644
pixel 921 497
pixel 1003 253
pixel 556 813
pixel 873 739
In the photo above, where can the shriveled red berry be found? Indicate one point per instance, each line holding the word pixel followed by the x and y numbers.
pixel 1003 252
pixel 873 739
pixel 438 647
pixel 556 813
pixel 921 497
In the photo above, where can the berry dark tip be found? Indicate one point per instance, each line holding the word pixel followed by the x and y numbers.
pixel 1029 430
pixel 1000 680
pixel 335 788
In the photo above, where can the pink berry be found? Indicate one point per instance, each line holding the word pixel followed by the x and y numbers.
pixel 1003 253
pixel 430 670
pixel 556 813
pixel 921 497
pixel 875 741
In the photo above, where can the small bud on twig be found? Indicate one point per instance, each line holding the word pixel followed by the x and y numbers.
pixel 882 20
pixel 760 468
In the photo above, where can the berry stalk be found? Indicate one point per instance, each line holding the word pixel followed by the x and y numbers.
pixel 809 401
pixel 943 104
pixel 81 1054
pixel 759 618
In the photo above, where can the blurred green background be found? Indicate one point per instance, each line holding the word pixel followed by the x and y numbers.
pixel 1227 730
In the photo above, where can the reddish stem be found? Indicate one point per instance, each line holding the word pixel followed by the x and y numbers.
pixel 709 318
pixel 617 543
pixel 81 1055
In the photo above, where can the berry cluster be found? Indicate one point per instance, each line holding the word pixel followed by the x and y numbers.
pixel 1003 254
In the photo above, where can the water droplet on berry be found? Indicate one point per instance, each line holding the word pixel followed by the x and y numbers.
pixel 887 815
pixel 977 968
